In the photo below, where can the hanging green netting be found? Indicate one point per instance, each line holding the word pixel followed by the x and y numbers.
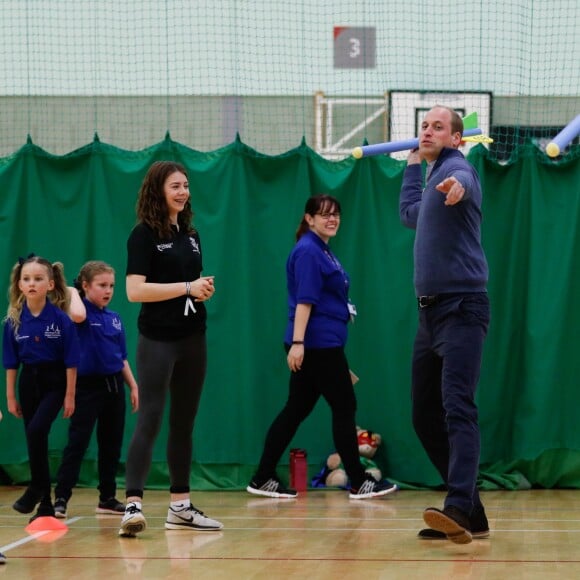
pixel 243 93
pixel 338 73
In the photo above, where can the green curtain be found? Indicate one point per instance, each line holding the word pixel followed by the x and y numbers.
pixel 247 206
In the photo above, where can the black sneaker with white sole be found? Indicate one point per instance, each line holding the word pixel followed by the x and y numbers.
pixel 271 487
pixel 111 506
pixel 370 488
pixel 60 505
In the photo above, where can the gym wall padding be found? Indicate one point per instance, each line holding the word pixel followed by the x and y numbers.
pixel 81 206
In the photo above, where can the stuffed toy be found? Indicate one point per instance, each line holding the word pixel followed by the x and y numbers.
pixel 368 442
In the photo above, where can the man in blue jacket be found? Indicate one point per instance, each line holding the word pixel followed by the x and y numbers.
pixel 450 280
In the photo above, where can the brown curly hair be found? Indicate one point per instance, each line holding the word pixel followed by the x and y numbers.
pixel 151 205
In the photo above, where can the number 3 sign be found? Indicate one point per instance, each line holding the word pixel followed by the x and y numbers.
pixel 354 47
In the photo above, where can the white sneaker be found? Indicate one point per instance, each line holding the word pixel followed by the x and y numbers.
pixel 133 522
pixel 190 518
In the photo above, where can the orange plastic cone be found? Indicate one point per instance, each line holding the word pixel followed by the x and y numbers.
pixel 45 524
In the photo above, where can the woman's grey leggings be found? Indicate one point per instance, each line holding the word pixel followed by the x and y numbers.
pixel 177 367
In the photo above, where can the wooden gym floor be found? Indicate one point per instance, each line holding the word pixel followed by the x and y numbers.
pixel 320 535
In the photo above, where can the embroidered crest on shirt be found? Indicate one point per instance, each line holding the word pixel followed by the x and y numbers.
pixel 52 331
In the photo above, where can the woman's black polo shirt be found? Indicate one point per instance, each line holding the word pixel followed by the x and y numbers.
pixel 162 261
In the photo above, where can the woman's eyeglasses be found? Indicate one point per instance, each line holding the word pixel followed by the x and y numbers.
pixel 327 215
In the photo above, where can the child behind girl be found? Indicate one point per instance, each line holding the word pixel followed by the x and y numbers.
pixel 100 397
pixel 40 338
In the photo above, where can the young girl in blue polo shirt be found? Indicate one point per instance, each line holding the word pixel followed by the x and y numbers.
pixel 319 311
pixel 100 397
pixel 40 339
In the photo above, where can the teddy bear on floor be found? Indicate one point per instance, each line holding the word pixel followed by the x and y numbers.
pixel 368 443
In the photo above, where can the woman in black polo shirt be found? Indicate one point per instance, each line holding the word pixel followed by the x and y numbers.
pixel 164 273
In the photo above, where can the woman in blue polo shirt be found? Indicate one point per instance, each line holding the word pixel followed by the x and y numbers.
pixel 40 339
pixel 100 397
pixel 319 311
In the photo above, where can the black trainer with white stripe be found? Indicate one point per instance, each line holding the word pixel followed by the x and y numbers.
pixel 271 487
pixel 370 488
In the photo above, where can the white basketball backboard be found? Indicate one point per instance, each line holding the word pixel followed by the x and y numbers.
pixel 407 109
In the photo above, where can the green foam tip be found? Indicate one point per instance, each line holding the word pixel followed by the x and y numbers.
pixel 470 121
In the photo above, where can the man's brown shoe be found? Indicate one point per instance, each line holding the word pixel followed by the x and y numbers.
pixel 452 522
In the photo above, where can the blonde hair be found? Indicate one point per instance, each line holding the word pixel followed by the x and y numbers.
pixel 59 295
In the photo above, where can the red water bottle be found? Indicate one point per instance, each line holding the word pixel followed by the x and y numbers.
pixel 298 469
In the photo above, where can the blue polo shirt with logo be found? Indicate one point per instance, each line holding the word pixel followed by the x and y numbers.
pixel 315 276
pixel 102 339
pixel 48 337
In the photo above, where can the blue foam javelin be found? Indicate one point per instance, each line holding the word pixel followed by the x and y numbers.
pixel 392 146
pixel 564 137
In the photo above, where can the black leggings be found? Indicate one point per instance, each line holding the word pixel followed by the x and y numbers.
pixel 41 390
pixel 177 367
pixel 324 373
pixel 100 401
